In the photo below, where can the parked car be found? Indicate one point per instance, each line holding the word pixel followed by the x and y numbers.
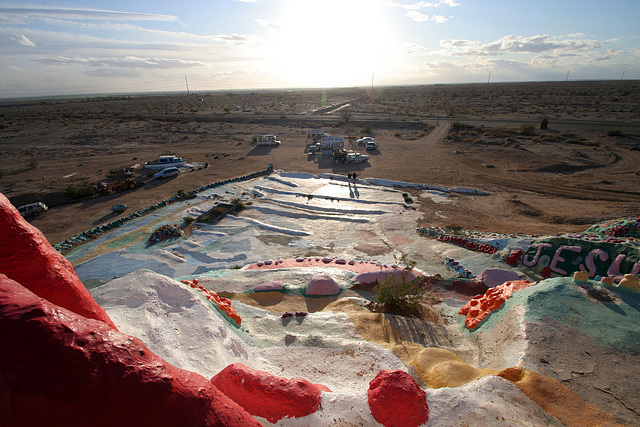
pixel 365 139
pixel 371 145
pixel 165 173
pixel 33 209
pixel 356 158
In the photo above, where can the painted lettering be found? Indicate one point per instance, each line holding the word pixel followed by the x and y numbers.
pixel 558 258
pixel 534 261
pixel 590 261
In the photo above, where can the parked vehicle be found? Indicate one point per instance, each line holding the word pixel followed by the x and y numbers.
pixel 166 173
pixel 371 145
pixel 32 209
pixel 165 161
pixel 356 158
pixel 118 186
pixel 365 139
pixel 339 155
pixel 267 140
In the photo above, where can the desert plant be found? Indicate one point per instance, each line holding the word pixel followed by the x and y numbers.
pixel 79 191
pixel 397 294
pixel 614 132
pixel 188 219
pixel 33 163
pixel 239 204
pixel 527 129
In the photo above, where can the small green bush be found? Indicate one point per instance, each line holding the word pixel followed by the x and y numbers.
pixel 527 129
pixel 400 295
pixel 80 191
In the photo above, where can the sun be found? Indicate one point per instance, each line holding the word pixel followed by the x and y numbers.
pixel 329 43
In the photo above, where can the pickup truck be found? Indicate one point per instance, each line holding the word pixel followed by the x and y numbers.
pixel 371 145
pixel 356 158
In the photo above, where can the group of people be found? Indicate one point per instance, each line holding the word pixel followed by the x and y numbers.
pixel 352 176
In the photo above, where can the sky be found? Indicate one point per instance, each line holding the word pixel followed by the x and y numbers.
pixel 67 47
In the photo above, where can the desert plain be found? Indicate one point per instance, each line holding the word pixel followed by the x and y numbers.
pixel 584 168
pixel 483 141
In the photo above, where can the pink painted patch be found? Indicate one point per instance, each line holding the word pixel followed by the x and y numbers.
pixel 399 239
pixel 358 267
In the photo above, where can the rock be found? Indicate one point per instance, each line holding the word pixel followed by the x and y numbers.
pixel 266 395
pixel 609 281
pixel 396 400
pixel 630 281
pixel 27 257
pixel 374 277
pixel 496 276
pixel 61 368
pixel 481 306
pixel 580 276
pixel 274 285
pixel 322 284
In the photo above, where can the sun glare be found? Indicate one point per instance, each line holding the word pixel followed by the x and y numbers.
pixel 330 42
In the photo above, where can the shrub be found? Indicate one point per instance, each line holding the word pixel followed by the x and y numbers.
pixel 188 219
pixel 527 129
pixel 400 295
pixel 614 132
pixel 33 163
pixel 79 191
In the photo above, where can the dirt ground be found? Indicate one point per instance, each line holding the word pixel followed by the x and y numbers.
pixel 583 169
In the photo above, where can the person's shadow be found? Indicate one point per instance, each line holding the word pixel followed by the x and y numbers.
pixel 353 192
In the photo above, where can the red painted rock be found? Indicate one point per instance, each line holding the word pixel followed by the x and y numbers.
pixel 514 258
pixel 375 277
pixel 322 284
pixel 481 306
pixel 60 368
pixel 497 276
pixel 266 395
pixel 27 257
pixel 396 400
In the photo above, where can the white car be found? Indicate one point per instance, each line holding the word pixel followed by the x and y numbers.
pixel 165 173
pixel 33 209
pixel 356 158
pixel 365 139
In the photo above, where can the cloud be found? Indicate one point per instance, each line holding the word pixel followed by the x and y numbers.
pixel 413 49
pixel 421 17
pixel 23 40
pixel 519 44
pixel 111 72
pixel 266 24
pixel 423 4
pixel 80 14
pixel 125 62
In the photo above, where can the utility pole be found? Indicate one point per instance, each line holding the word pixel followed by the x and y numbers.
pixel 187 83
pixel 372 74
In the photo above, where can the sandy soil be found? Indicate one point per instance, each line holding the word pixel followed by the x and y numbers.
pixel 584 168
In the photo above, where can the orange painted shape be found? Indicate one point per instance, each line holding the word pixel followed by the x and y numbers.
pixel 224 304
pixel 480 306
